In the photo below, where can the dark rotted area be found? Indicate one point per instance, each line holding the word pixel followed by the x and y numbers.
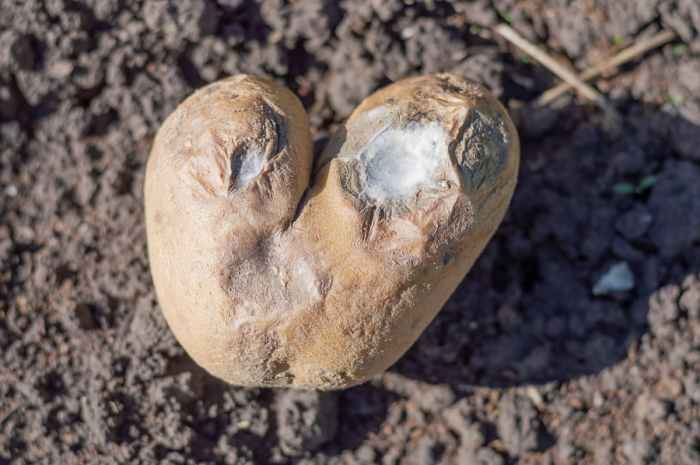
pixel 526 363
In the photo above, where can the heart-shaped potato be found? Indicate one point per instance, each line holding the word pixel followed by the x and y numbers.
pixel 274 269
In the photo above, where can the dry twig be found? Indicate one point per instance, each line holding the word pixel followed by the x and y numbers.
pixel 613 62
pixel 560 70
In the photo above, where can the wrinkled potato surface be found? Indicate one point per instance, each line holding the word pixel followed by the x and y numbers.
pixel 275 269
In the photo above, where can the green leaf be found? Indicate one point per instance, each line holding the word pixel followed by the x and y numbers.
pixel 624 188
pixel 646 183
pixel 507 17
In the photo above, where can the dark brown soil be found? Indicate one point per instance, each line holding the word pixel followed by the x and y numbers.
pixel 526 364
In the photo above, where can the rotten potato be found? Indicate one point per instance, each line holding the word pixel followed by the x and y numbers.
pixel 277 269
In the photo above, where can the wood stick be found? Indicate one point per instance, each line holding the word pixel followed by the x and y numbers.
pixel 560 70
pixel 639 48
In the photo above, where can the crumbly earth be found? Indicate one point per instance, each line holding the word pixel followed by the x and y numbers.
pixel 524 365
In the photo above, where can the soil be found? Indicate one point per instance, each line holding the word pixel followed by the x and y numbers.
pixel 525 364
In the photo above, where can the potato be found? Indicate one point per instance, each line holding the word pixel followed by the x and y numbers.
pixel 275 270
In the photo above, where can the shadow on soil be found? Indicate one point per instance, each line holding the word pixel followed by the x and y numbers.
pixel 586 200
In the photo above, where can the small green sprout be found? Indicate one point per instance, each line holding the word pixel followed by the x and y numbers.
pixel 679 50
pixel 624 188
pixel 675 100
pixel 627 188
pixel 507 17
pixel 646 183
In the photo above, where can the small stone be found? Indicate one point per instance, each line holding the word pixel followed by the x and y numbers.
pixel 60 69
pixel 598 399
pixel 618 278
pixel 11 190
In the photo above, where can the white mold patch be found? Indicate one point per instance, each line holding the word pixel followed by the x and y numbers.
pixel 245 168
pixel 400 162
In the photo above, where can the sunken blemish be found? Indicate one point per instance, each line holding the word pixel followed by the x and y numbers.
pixel 399 162
pixel 246 167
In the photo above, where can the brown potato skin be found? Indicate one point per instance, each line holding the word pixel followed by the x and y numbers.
pixel 264 287
pixel 194 223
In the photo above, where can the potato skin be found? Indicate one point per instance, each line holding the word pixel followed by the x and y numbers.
pixel 198 219
pixel 264 287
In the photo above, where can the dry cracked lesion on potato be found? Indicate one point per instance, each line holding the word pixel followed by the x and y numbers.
pixel 220 159
pixel 480 149
pixel 248 161
pixel 397 161
pixel 401 165
pixel 406 220
pixel 413 180
pixel 479 136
